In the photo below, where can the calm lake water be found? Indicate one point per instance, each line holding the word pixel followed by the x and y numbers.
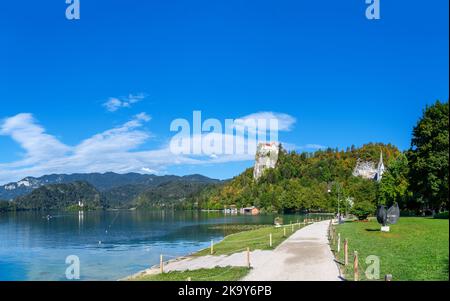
pixel 109 244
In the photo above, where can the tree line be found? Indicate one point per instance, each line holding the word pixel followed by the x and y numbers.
pixel 417 178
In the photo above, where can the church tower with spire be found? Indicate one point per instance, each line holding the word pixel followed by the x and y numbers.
pixel 380 168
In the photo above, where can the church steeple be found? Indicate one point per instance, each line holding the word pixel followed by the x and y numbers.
pixel 380 168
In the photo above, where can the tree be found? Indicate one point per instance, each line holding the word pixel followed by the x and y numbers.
pixel 363 209
pixel 394 184
pixel 6 206
pixel 428 157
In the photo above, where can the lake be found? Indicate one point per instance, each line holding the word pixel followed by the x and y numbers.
pixel 109 244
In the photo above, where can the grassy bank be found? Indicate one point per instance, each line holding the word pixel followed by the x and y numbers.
pixel 256 239
pixel 214 274
pixel 414 249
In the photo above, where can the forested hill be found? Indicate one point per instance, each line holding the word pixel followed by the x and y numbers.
pixel 60 196
pixel 139 191
pixel 101 181
pixel 302 181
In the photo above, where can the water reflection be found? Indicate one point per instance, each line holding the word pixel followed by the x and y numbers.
pixel 33 247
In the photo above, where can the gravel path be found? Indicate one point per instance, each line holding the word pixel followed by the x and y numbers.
pixel 305 255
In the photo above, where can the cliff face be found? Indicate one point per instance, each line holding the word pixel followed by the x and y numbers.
pixel 266 157
pixel 365 169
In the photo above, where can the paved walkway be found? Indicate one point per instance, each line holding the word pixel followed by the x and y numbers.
pixel 304 256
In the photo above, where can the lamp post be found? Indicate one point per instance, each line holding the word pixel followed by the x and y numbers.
pixel 338 188
pixel 339 200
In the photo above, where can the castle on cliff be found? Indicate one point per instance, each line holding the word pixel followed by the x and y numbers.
pixel 266 157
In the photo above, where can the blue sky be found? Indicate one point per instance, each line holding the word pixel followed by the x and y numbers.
pixel 343 79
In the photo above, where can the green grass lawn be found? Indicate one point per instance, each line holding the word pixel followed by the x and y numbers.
pixel 251 236
pixel 253 239
pixel 215 274
pixel 415 248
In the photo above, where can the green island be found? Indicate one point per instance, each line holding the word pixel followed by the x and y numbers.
pixel 416 248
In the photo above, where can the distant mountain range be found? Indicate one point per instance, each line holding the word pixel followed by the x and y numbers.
pixel 107 190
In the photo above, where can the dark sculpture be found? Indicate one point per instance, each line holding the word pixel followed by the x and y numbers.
pixel 382 215
pixel 389 216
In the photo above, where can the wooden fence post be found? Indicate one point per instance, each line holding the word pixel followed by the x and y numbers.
pixel 334 235
pixel 346 251
pixel 292 227
pixel 212 247
pixel 161 264
pixel 355 266
pixel 284 231
pixel 270 240
pixel 248 257
pixel 329 231
pixel 339 243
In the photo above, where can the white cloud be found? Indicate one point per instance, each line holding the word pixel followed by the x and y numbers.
pixel 305 147
pixel 123 138
pixel 111 150
pixel 113 103
pixel 285 121
pixel 119 149
pixel 38 145
pixel 314 146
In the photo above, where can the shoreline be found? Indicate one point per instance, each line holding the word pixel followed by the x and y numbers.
pixel 210 261
pixel 154 269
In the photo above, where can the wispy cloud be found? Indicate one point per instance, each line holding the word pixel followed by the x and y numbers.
pixel 25 130
pixel 285 121
pixel 112 149
pixel 312 146
pixel 305 147
pixel 119 149
pixel 260 122
pixel 114 103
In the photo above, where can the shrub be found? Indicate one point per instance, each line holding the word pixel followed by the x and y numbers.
pixel 442 215
pixel 363 209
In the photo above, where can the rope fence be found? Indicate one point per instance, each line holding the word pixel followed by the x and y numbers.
pixel 269 239
pixel 334 238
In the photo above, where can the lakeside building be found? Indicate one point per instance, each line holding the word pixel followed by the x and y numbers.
pixel 250 210
pixel 232 209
